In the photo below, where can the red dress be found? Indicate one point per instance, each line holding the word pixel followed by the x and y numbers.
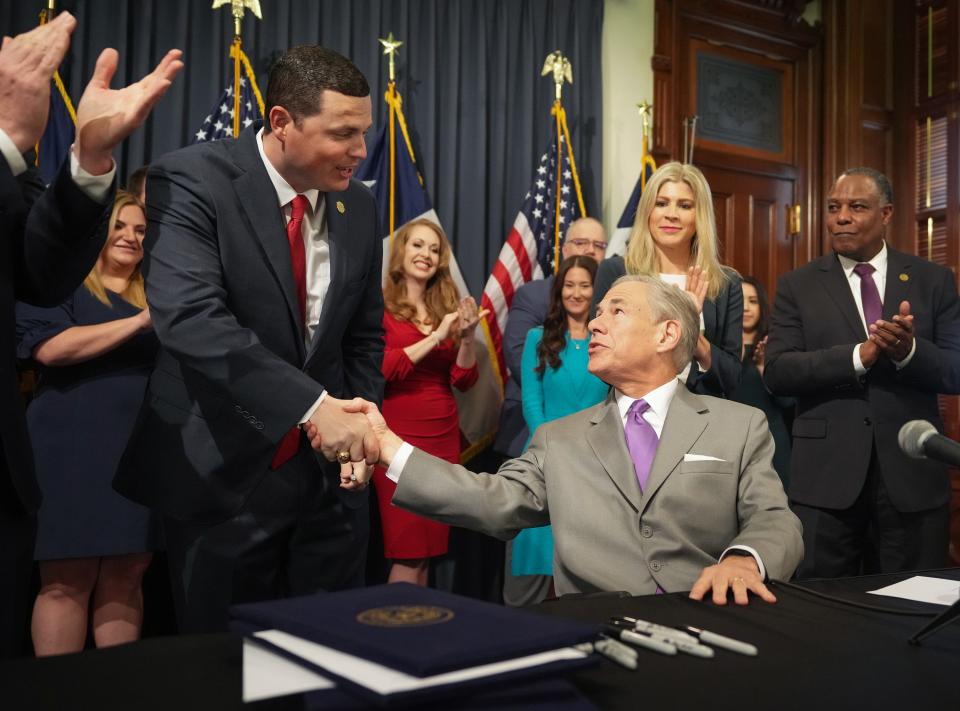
pixel 418 405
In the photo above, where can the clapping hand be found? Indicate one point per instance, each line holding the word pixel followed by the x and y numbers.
pixel 447 325
pixel 106 116
pixel 894 338
pixel 760 354
pixel 470 316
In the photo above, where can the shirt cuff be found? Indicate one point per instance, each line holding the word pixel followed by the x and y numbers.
pixel 858 366
pixel 9 150
pixel 752 552
pixel 906 361
pixel 313 408
pixel 94 187
pixel 399 462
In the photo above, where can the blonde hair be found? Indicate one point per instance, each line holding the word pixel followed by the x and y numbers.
pixel 134 292
pixel 440 297
pixel 642 258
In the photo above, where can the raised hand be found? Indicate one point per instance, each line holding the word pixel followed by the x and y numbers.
pixel 106 116
pixel 27 64
pixel 696 286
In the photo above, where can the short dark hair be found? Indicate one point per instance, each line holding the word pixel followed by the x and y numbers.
pixel 137 180
pixel 881 181
pixel 300 76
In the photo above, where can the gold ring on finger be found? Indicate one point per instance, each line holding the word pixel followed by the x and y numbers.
pixel 343 456
pixel 738 579
pixel 353 477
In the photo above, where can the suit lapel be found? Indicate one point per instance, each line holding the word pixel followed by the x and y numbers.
pixel 606 439
pixel 897 287
pixel 258 200
pixel 836 285
pixel 681 429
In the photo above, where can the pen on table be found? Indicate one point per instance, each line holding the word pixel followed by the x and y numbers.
pixel 718 640
pixel 639 640
pixel 684 642
pixel 613 650
pixel 652 628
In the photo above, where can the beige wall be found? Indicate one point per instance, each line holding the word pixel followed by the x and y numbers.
pixel 627 80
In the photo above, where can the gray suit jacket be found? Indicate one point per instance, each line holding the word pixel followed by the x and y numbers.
pixel 577 474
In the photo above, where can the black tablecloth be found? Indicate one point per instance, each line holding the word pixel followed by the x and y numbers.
pixel 814 654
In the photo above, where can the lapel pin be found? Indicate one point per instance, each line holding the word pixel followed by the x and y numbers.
pixel 341 209
pixel 904 277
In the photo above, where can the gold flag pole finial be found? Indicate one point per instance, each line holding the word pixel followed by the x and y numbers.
pixel 561 69
pixel 237 8
pixel 646 116
pixel 390 47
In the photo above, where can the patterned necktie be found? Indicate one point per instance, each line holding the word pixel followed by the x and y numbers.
pixel 642 440
pixel 298 258
pixel 869 294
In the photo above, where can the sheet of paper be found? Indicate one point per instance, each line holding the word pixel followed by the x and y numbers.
pixel 384 680
pixel 267 674
pixel 923 589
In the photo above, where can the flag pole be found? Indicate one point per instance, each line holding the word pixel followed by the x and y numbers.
pixel 237 9
pixel 561 69
pixel 390 47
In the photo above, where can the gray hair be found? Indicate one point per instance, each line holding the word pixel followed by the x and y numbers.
pixel 881 181
pixel 668 303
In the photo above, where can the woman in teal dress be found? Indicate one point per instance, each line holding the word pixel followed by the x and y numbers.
pixel 555 383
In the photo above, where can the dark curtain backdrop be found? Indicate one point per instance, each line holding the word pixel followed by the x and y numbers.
pixel 469 73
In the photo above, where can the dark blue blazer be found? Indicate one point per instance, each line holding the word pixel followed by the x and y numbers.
pixel 51 239
pixel 840 417
pixel 233 374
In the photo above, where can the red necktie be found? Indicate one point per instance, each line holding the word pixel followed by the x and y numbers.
pixel 298 259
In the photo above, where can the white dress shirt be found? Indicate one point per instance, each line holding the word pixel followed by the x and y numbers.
pixel 94 187
pixel 879 263
pixel 316 245
pixel 659 400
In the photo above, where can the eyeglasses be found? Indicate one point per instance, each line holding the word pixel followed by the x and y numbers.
pixel 581 243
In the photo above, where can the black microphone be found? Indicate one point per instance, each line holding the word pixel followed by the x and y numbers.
pixel 920 440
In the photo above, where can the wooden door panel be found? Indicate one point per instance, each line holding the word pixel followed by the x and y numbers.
pixel 751 215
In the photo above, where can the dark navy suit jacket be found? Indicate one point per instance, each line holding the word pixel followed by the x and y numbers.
pixel 839 415
pixel 233 374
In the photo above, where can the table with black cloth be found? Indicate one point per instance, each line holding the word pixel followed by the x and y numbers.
pixel 814 653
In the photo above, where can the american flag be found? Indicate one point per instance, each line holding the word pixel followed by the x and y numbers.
pixel 219 122
pixel 528 252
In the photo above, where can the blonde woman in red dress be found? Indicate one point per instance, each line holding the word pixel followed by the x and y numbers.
pixel 429 334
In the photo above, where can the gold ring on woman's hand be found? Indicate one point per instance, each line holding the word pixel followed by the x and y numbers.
pixel 343 456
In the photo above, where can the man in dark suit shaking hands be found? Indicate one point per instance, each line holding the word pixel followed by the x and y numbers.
pixel 865 338
pixel 49 241
pixel 262 271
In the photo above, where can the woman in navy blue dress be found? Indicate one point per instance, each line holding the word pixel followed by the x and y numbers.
pixel 93 353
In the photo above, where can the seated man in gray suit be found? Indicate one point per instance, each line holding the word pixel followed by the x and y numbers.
pixel 655 489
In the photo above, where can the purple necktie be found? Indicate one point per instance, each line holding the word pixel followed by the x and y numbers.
pixel 869 294
pixel 641 440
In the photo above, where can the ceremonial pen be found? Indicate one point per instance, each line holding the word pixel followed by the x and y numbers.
pixel 662 646
pixel 718 640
